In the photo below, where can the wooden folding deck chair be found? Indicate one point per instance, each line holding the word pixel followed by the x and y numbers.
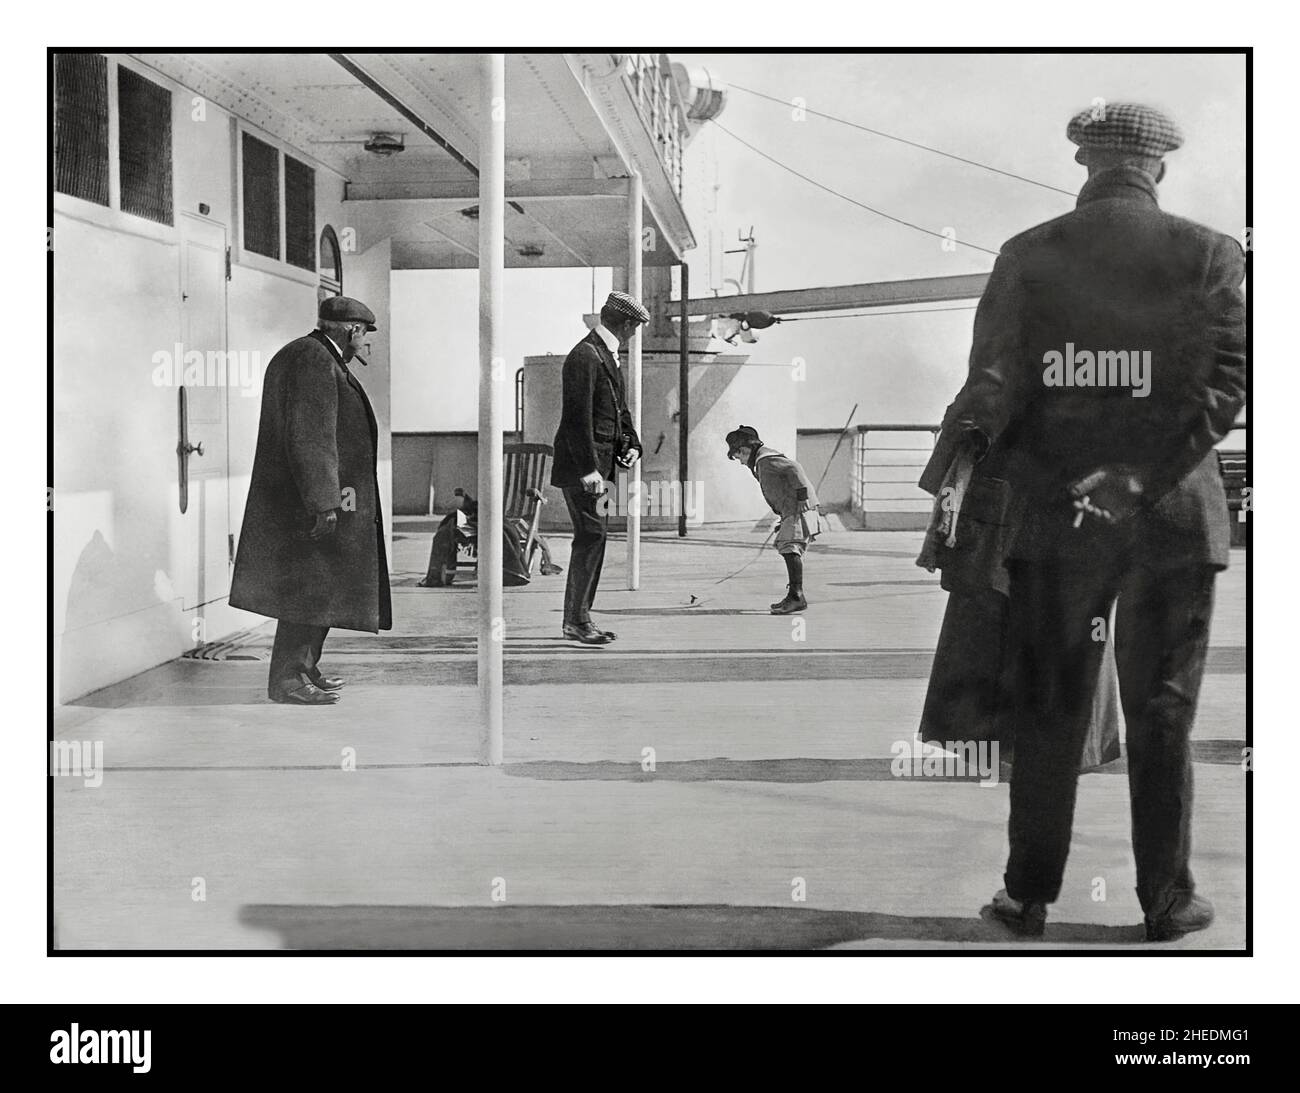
pixel 526 470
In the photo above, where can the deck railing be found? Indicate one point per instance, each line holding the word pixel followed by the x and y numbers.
pixel 888 459
pixel 650 82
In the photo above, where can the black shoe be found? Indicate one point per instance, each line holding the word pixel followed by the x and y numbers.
pixel 328 683
pixel 305 694
pixel 1026 918
pixel 586 633
pixel 1186 913
pixel 792 603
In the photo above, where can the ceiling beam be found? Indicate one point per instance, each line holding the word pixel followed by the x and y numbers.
pixel 544 189
pixel 411 115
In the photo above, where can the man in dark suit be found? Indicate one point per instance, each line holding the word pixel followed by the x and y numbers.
pixel 1109 357
pixel 595 434
pixel 311 550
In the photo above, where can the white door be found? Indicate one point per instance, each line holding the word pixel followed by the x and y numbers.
pixel 206 576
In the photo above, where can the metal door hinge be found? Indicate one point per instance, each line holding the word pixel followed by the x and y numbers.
pixel 230 548
pixel 227 263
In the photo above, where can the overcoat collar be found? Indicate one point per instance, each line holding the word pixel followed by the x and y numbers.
pixel 355 384
pixel 1120 183
pixel 319 335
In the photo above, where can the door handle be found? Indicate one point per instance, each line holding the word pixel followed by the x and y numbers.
pixel 183 447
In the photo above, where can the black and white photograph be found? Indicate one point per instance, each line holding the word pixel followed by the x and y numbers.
pixel 484 529
pixel 697 501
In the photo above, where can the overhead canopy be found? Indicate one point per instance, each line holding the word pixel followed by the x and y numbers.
pixel 574 123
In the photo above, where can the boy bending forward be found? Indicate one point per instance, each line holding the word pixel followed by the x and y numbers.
pixel 789 493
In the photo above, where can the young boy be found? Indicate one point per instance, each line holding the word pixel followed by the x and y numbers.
pixel 789 493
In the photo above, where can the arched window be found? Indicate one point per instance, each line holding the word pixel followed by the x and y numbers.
pixel 330 264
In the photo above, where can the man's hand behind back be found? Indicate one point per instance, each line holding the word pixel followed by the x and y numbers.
pixel 1109 494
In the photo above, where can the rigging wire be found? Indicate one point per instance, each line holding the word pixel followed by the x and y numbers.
pixel 851 200
pixel 904 140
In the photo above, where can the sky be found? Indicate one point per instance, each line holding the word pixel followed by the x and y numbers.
pixel 1006 110
pixel 1009 111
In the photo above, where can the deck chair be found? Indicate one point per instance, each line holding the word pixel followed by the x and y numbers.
pixel 526 468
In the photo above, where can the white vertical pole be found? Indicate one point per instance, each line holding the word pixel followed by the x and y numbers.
pixel 491 272
pixel 634 377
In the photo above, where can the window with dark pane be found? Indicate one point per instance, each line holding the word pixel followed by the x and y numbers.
pixel 330 263
pixel 299 214
pixel 261 197
pixel 144 112
pixel 81 126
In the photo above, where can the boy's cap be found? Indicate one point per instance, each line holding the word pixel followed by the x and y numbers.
pixel 744 436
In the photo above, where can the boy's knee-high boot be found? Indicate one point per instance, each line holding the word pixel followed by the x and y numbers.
pixel 794 600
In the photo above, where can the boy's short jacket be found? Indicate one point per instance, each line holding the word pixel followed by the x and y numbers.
pixel 785 487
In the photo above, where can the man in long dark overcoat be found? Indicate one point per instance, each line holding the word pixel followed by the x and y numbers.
pixel 311 550
pixel 1109 357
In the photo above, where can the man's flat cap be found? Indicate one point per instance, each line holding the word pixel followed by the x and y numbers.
pixel 344 309
pixel 627 305
pixel 1126 127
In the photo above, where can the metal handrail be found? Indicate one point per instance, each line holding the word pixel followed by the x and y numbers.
pixel 655 96
pixel 859 464
pixel 860 479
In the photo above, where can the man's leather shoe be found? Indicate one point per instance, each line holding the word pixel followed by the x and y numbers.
pixel 1185 913
pixel 1026 918
pixel 792 603
pixel 306 694
pixel 328 683
pixel 586 633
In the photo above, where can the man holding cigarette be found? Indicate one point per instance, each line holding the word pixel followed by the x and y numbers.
pixel 1124 497
pixel 311 549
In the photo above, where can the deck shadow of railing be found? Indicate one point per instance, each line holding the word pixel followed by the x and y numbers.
pixel 804 769
pixel 637 926
pixel 791 770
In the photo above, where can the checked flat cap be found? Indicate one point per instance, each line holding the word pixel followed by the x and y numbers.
pixel 627 305
pixel 1126 127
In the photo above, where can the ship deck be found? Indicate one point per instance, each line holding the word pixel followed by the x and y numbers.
pixel 773 742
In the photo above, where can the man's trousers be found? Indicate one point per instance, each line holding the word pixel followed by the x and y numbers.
pixel 589 532
pixel 294 656
pixel 1060 610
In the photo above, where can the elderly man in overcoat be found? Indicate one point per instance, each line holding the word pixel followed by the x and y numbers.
pixel 311 550
pixel 1109 357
